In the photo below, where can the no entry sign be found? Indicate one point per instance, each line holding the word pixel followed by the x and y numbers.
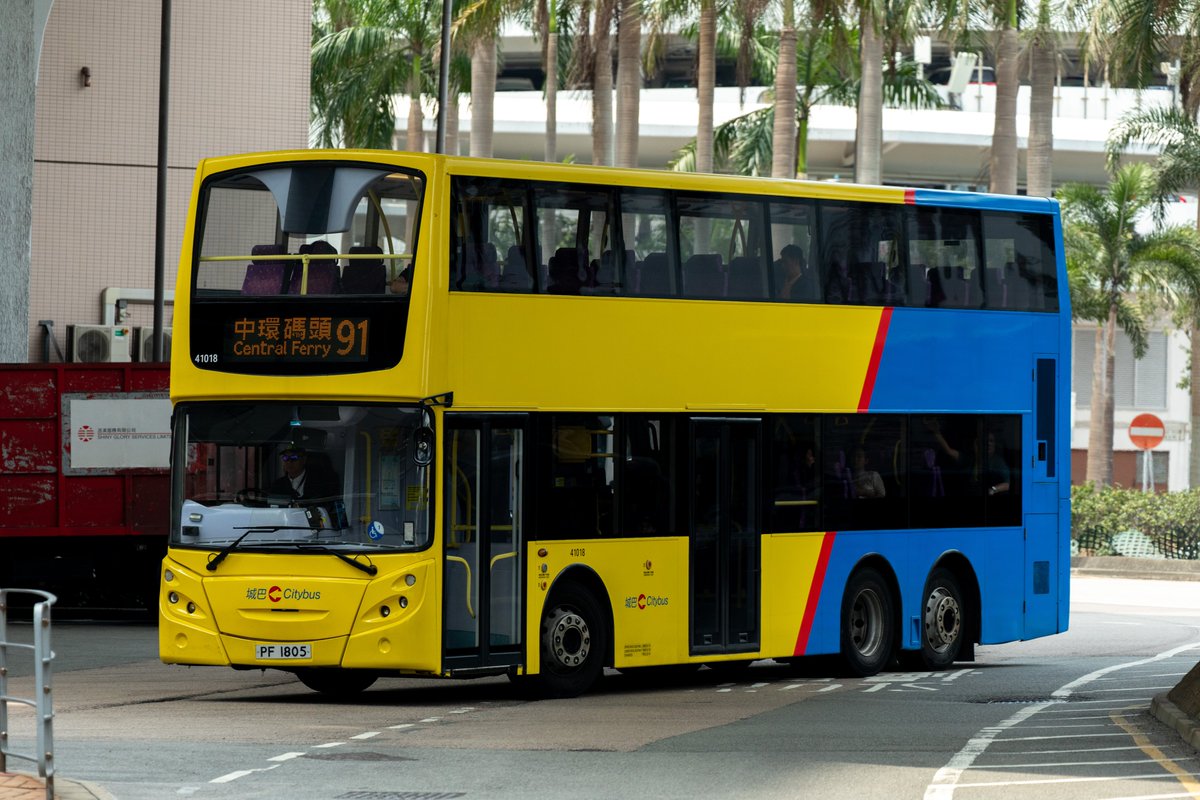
pixel 1146 431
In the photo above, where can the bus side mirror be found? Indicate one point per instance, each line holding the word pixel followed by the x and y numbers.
pixel 423 446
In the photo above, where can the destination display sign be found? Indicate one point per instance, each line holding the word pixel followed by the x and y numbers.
pixel 297 337
pixel 289 336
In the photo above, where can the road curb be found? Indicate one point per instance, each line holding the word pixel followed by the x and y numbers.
pixel 1160 569
pixel 1170 715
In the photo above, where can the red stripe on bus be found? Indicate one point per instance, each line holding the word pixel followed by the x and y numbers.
pixel 864 401
pixel 910 196
pixel 814 594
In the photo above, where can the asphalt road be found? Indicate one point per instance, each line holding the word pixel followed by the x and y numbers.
pixel 1063 717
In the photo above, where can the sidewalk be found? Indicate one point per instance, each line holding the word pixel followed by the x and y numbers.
pixel 20 786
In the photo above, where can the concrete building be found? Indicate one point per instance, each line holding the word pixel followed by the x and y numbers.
pixel 239 81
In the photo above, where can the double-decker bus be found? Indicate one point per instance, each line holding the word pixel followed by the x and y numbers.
pixel 453 417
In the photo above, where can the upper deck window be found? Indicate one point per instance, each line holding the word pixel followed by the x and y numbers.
pixel 304 268
pixel 553 237
pixel 308 229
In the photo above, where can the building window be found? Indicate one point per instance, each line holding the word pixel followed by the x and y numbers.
pixel 1137 383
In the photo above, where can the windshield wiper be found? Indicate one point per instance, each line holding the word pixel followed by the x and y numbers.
pixel 368 568
pixel 216 560
pixel 229 548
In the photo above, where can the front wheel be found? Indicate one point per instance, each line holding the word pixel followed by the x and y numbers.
pixel 868 624
pixel 340 683
pixel 574 639
pixel 942 620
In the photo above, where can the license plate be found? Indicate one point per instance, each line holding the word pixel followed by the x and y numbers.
pixel 282 652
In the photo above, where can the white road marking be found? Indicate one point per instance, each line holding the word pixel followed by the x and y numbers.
pixel 1156 796
pixel 241 773
pixel 432 719
pixel 877 687
pixel 367 735
pixel 1056 764
pixel 466 710
pixel 329 744
pixel 1044 781
pixel 1063 736
pixel 945 780
pixel 401 726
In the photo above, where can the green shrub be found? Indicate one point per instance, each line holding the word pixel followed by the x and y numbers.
pixel 1170 522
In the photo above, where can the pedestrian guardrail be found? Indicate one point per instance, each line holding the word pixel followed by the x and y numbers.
pixel 43 658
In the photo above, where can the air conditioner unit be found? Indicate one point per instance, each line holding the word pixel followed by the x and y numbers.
pixel 145 339
pixel 101 343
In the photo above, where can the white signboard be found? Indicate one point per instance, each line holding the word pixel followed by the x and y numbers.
pixel 103 433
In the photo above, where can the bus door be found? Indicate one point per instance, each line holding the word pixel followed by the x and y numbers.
pixel 1043 595
pixel 724 529
pixel 484 488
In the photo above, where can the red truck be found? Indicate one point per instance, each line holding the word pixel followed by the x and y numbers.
pixel 84 481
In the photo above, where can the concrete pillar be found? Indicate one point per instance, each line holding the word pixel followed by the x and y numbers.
pixel 20 39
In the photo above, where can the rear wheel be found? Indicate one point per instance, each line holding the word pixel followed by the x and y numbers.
pixel 343 683
pixel 574 640
pixel 868 624
pixel 942 620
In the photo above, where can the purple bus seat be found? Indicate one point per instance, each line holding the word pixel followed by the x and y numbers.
pixel 364 275
pixel 322 273
pixel 265 277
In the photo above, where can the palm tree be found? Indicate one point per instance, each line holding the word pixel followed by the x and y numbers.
pixel 665 12
pixel 1138 35
pixel 745 144
pixel 1113 266
pixel 360 60
pixel 1177 169
pixel 1002 165
pixel 629 81
pixel 783 134
pixel 1039 153
pixel 868 141
pixel 478 24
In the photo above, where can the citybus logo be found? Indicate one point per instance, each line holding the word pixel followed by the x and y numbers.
pixel 644 601
pixel 277 593
pixel 86 433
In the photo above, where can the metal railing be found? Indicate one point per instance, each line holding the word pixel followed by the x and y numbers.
pixel 43 658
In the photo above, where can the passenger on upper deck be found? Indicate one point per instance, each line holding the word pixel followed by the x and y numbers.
pixel 401 284
pixel 791 258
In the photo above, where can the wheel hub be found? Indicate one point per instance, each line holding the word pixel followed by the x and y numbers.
pixel 866 623
pixel 943 619
pixel 570 639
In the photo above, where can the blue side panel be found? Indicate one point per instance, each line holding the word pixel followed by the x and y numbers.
pixel 995 555
pixel 992 347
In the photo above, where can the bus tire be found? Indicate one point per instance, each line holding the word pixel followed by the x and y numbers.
pixel 943 620
pixel 868 624
pixel 341 683
pixel 574 639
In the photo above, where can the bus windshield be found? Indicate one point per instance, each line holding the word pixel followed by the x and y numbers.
pixel 349 476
